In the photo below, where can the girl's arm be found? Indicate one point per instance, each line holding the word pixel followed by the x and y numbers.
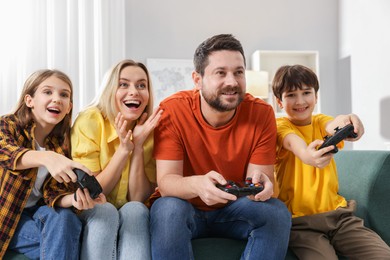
pixel 83 202
pixel 59 166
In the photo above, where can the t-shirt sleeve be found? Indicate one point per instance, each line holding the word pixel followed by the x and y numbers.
pixel 85 136
pixel 283 129
pixel 167 144
pixel 264 153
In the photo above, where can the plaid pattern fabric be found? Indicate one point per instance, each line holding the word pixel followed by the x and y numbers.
pixel 16 185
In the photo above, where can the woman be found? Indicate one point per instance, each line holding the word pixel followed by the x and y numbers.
pixel 113 138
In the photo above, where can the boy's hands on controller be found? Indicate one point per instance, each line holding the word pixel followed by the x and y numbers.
pixel 208 192
pixel 83 201
pixel 342 120
pixel 318 158
pixel 358 127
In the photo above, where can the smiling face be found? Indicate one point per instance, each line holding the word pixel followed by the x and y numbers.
pixel 132 95
pixel 223 83
pixel 299 104
pixel 50 103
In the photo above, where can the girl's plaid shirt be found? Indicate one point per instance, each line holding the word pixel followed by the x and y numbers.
pixel 16 185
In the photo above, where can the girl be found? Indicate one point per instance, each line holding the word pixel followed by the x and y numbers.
pixel 113 138
pixel 34 143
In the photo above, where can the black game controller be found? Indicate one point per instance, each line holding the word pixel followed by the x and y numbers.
pixel 243 188
pixel 85 180
pixel 339 135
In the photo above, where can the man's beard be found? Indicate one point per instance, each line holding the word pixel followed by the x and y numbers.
pixel 215 100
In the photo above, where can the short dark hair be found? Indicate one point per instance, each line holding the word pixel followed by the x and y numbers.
pixel 216 43
pixel 292 77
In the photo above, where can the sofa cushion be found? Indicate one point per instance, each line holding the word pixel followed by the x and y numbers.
pixel 365 177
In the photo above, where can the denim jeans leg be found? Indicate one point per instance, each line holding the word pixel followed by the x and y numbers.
pixel 100 232
pixel 266 225
pixel 60 233
pixel 26 239
pixel 171 221
pixel 134 235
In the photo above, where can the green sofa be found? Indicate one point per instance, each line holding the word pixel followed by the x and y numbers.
pixel 364 176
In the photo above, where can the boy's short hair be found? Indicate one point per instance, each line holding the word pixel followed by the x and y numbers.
pixel 291 77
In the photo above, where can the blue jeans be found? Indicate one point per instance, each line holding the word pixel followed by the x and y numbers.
pixel 174 222
pixel 45 233
pixel 110 233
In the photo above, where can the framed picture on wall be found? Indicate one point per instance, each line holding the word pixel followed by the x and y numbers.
pixel 169 76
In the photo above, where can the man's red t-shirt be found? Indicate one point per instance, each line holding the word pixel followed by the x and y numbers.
pixel 183 134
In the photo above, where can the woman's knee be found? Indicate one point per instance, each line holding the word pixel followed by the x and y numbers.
pixel 134 211
pixel 106 214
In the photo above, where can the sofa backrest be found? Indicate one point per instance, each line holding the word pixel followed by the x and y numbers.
pixel 365 177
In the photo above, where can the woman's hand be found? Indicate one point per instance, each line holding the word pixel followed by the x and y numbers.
pixel 125 136
pixel 145 126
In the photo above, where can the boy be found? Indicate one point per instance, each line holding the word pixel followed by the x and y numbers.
pixel 323 222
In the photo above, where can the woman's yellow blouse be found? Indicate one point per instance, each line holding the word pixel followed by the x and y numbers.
pixel 94 142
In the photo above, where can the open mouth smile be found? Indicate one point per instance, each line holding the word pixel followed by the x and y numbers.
pixel 132 103
pixel 54 110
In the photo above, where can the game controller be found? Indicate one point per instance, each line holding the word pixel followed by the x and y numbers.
pixel 339 135
pixel 243 188
pixel 85 180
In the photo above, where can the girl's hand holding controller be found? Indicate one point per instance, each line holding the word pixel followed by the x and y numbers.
pixel 82 199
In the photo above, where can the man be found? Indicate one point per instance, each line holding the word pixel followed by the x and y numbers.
pixel 205 137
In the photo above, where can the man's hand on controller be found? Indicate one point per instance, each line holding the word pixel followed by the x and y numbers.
pixel 208 192
pixel 268 190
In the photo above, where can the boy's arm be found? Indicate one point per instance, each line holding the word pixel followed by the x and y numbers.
pixel 308 154
pixel 343 120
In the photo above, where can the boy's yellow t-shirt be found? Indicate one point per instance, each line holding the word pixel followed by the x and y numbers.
pixel 94 142
pixel 305 189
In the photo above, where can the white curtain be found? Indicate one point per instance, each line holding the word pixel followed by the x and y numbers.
pixel 81 38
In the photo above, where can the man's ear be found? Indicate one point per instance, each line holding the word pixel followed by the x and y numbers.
pixel 197 78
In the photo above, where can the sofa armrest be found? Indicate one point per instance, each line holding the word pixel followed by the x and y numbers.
pixel 365 177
